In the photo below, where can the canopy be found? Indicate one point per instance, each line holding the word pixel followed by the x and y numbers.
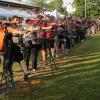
pixel 54 13
pixel 5 12
pixel 8 12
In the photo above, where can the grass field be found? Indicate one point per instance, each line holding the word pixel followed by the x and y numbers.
pixel 78 77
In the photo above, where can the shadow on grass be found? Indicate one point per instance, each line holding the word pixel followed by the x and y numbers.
pixel 65 84
pixel 78 78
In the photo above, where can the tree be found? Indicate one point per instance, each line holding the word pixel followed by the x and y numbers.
pixel 39 2
pixel 61 9
pixel 51 5
pixel 93 8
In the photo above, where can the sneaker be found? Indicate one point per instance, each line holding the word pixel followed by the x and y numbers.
pixel 57 55
pixel 10 84
pixel 33 70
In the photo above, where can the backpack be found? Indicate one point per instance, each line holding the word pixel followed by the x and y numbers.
pixel 49 35
pixel 17 54
pixel 14 48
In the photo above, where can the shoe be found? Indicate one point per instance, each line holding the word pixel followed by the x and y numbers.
pixel 10 84
pixel 57 55
pixel 11 78
pixel 26 77
pixel 33 70
pixel 44 63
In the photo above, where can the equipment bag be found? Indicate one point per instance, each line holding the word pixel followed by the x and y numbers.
pixel 18 55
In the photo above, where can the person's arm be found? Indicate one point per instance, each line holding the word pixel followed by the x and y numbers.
pixel 14 31
pixel 47 28
pixel 35 29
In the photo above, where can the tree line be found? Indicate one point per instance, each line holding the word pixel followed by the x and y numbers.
pixel 92 8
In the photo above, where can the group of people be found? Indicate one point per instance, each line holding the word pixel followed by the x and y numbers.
pixel 35 34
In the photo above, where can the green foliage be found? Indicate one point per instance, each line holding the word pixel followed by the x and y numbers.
pixel 37 1
pixel 60 8
pixel 51 5
pixel 93 8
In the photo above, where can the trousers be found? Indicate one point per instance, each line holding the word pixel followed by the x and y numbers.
pixel 28 51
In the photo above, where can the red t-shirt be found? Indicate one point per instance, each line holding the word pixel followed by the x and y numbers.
pixel 49 35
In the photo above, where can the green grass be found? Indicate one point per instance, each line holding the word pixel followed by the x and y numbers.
pixel 78 77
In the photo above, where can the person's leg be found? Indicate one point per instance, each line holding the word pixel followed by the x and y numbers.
pixel 52 47
pixel 34 51
pixel 8 62
pixel 25 61
pixel 10 68
pixel 5 63
pixel 1 58
pixel 59 46
pixel 26 56
pixel 68 45
pixel 62 46
pixel 44 56
pixel 81 36
pixel 44 53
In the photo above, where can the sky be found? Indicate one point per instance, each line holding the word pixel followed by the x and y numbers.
pixel 67 4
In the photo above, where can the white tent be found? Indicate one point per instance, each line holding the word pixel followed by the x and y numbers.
pixel 48 13
pixel 54 13
pixel 6 12
pixel 32 15
pixel 20 13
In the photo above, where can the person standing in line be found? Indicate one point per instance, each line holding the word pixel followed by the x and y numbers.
pixel 9 45
pixel 31 46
